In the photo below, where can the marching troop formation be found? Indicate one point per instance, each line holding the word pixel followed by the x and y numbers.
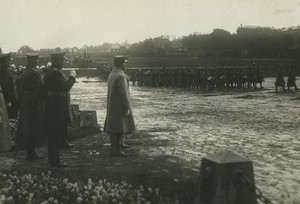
pixel 193 78
pixel 201 78
pixel 197 79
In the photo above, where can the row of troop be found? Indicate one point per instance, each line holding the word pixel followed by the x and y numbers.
pixel 40 101
pixel 104 69
pixel 192 78
pixel 197 79
pixel 202 78
pixel 291 81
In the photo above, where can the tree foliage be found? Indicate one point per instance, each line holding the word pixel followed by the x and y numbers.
pixel 25 48
pixel 250 42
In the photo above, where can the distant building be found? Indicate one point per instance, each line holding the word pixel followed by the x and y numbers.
pixel 115 48
pixel 73 50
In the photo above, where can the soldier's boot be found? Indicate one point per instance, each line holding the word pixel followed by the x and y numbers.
pixel 123 145
pixel 261 86
pixel 116 146
pixel 31 154
pixel 120 153
pixel 113 150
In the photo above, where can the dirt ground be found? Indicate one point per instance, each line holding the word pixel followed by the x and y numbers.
pixel 177 128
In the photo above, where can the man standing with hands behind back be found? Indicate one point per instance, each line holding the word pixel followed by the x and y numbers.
pixel 57 114
pixel 119 119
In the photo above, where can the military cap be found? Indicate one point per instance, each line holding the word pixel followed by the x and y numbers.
pixel 57 56
pixel 32 57
pixel 120 59
pixel 5 57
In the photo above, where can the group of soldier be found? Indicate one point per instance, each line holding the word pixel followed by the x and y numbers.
pixel 39 99
pixel 186 78
pixel 291 81
pixel 193 78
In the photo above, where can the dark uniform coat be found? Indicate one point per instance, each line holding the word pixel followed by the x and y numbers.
pixel 8 86
pixel 58 111
pixel 5 137
pixel 58 108
pixel 31 120
pixel 118 103
pixel 291 82
pixel 280 78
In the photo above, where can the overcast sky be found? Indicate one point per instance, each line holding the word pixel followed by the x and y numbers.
pixel 69 23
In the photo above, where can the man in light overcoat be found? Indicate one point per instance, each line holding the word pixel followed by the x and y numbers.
pixel 119 117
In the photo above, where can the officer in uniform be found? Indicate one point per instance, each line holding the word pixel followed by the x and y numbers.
pixel 291 82
pixel 5 137
pixel 259 77
pixel 58 113
pixel 30 132
pixel 119 119
pixel 280 79
pixel 8 86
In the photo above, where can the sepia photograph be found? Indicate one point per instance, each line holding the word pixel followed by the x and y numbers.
pixel 150 101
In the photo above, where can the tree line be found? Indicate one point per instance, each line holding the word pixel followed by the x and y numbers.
pixel 258 42
pixel 247 42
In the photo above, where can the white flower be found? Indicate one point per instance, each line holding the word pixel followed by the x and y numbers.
pixel 157 191
pixel 79 199
pixel 2 198
pixel 65 180
pixel 51 199
pixel 150 190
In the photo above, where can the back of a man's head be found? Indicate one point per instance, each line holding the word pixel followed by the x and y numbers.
pixel 119 60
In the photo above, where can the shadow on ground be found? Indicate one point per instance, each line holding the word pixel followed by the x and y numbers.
pixel 89 159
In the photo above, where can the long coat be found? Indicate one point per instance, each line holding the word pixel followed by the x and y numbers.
pixel 5 137
pixel 118 103
pixel 30 130
pixel 8 87
pixel 280 78
pixel 291 79
pixel 58 112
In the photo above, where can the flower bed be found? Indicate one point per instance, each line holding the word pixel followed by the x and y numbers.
pixel 45 188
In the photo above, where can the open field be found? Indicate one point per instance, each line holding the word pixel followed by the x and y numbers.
pixel 177 128
pixel 261 125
